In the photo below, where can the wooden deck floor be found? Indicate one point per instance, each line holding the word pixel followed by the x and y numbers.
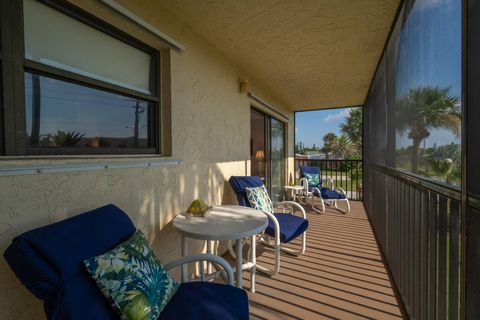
pixel 341 275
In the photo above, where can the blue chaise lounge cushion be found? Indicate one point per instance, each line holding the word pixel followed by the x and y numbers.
pixel 49 262
pixel 291 226
pixel 203 300
pixel 329 194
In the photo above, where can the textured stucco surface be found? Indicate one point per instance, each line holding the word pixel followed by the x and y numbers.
pixel 211 132
pixel 311 53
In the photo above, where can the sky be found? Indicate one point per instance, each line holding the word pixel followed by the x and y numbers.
pixel 427 53
pixel 70 107
pixel 311 126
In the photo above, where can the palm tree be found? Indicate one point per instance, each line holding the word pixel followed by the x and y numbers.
pixel 352 127
pixel 343 147
pixel 329 142
pixel 442 167
pixel 426 108
pixel 67 138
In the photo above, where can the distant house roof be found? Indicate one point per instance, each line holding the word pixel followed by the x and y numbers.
pixel 310 155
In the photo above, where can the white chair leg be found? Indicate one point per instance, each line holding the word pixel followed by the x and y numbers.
pixel 342 210
pixel 322 210
pixel 260 268
pixel 273 272
pixel 297 252
pixel 312 204
pixel 253 258
pixel 304 242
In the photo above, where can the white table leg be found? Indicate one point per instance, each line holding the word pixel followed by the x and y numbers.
pixel 184 266
pixel 253 269
pixel 238 271
pixel 210 251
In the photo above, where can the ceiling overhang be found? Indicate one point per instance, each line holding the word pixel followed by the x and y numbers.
pixel 310 54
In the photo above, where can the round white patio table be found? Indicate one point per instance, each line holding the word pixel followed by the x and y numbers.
pixel 226 222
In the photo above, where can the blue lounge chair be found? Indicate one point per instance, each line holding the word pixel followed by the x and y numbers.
pixel 283 225
pixel 49 263
pixel 316 189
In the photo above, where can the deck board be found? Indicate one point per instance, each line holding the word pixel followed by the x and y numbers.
pixel 341 275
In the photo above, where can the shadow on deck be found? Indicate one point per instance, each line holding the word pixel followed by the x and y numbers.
pixel 341 275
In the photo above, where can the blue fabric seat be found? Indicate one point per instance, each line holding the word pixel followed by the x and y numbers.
pixel 240 184
pixel 326 195
pixel 218 301
pixel 329 194
pixel 49 262
pixel 290 227
pixel 311 170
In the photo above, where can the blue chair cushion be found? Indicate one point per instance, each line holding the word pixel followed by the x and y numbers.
pixel 209 301
pixel 240 184
pixel 329 194
pixel 291 226
pixel 49 262
pixel 310 170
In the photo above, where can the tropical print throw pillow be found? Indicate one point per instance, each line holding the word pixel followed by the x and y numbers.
pixel 259 198
pixel 133 279
pixel 313 179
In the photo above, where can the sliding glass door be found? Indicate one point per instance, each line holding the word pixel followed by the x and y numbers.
pixel 267 152
pixel 277 159
pixel 258 146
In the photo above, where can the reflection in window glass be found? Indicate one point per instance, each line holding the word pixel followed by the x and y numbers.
pixel 61 116
pixel 425 57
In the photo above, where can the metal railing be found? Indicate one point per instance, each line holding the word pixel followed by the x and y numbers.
pixel 346 174
pixel 418 225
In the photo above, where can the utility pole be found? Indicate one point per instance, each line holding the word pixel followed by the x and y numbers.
pixel 138 111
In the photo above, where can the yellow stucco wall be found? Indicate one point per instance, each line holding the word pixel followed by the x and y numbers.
pixel 211 132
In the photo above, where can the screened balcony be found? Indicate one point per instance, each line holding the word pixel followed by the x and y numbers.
pixel 157 104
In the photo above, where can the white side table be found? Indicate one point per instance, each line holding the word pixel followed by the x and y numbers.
pixel 294 190
pixel 224 223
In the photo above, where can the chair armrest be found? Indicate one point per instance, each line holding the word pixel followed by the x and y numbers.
pixel 341 190
pixel 304 183
pixel 319 194
pixel 203 257
pixel 293 204
pixel 332 184
pixel 276 226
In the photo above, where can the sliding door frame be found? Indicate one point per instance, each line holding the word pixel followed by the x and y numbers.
pixel 268 146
